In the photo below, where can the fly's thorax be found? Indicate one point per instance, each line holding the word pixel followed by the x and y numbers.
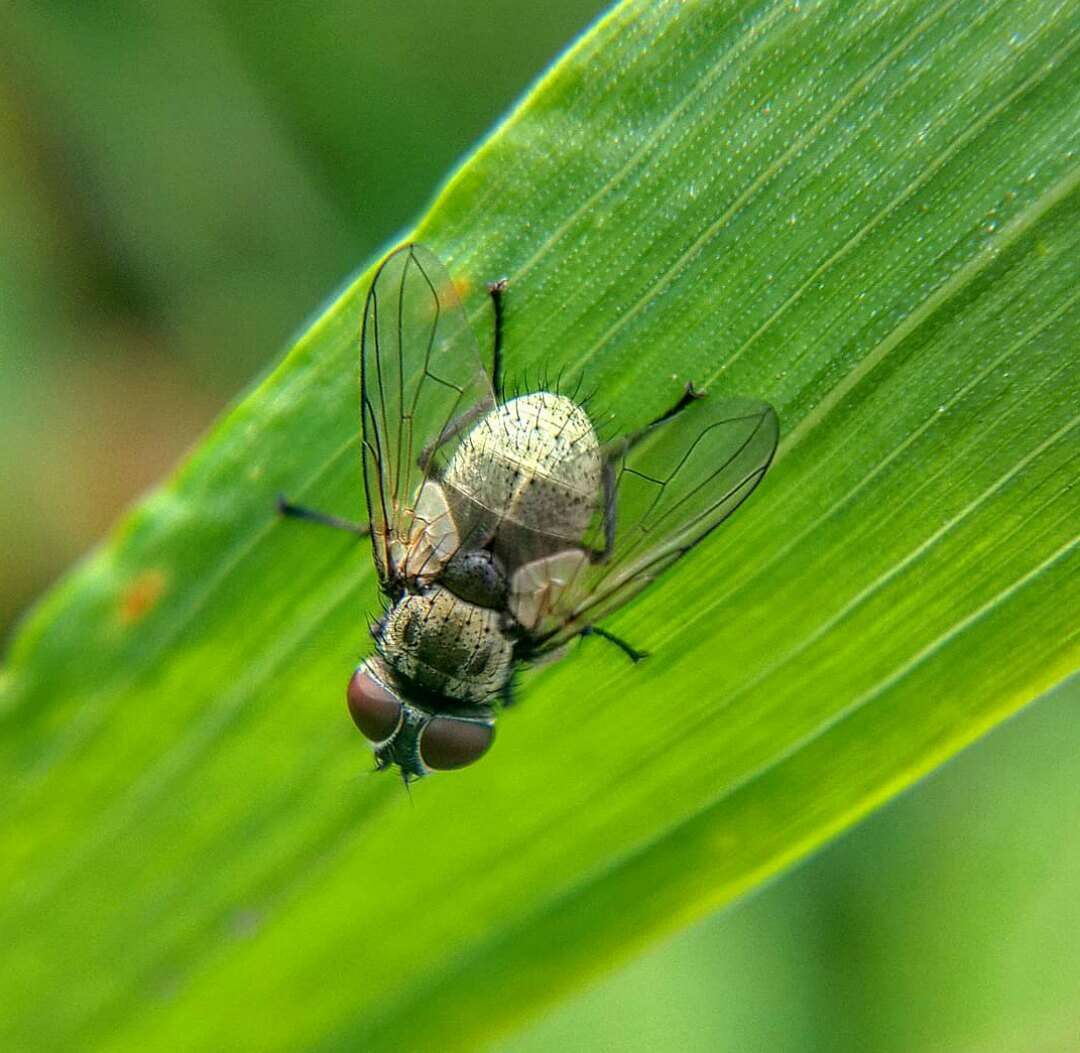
pixel 476 576
pixel 534 461
pixel 446 646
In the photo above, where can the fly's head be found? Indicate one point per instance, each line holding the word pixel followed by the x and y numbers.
pixel 417 738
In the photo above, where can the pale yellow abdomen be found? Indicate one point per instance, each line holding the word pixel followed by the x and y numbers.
pixel 533 462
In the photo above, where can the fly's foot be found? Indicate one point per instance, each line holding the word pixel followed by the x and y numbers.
pixel 632 653
pixel 287 509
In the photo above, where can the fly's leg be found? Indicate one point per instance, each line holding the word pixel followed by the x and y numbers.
pixel 620 448
pixel 459 424
pixel 451 431
pixel 285 507
pixel 689 396
pixel 497 289
pixel 506 694
pixel 631 652
pixel 611 493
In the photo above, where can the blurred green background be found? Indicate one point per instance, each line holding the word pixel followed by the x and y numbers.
pixel 181 186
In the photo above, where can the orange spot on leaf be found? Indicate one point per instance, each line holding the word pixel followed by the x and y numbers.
pixel 142 595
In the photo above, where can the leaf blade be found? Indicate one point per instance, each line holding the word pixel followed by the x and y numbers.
pixel 899 550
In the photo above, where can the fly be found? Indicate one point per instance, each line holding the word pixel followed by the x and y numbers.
pixel 502 529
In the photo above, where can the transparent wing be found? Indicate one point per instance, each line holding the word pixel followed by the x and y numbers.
pixel 421 383
pixel 674 483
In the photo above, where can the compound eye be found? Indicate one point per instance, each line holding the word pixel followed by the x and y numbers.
pixel 374 710
pixel 448 743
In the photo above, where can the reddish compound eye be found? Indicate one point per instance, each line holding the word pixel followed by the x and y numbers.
pixel 448 743
pixel 375 711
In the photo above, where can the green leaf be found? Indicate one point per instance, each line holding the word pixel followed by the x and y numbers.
pixel 865 214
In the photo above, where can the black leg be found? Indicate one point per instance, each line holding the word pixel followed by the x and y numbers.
pixel 451 431
pixel 506 694
pixel 458 425
pixel 690 394
pixel 610 497
pixel 497 289
pixel 286 508
pixel 631 652
pixel 619 448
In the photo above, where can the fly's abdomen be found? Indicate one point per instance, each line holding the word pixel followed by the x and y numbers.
pixel 535 463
